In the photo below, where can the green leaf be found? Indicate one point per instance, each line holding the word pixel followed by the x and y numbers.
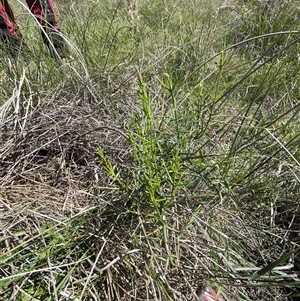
pixel 272 265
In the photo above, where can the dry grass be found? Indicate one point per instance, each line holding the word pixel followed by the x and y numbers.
pixel 189 187
pixel 51 175
pixel 134 13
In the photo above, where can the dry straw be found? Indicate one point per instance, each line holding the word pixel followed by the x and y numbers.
pixel 134 13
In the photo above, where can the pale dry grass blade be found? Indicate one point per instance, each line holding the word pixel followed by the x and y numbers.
pixel 13 102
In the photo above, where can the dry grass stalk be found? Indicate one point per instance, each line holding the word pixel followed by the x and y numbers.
pixel 134 13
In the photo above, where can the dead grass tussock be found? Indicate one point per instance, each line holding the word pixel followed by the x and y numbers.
pixel 54 161
pixel 141 268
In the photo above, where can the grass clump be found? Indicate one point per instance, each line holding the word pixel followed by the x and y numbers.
pixel 162 157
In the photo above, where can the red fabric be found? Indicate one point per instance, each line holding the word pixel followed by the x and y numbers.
pixel 42 9
pixel 7 20
pixel 210 295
